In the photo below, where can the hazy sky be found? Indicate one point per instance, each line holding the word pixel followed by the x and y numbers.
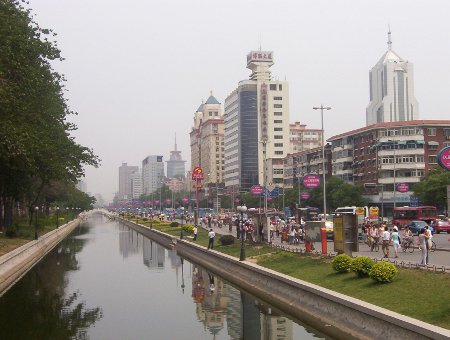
pixel 137 70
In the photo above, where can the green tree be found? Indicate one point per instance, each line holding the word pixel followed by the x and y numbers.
pixel 432 190
pixel 36 148
pixel 339 193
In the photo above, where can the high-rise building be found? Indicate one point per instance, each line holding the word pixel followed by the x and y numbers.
pixel 136 184
pixel 152 173
pixel 391 90
pixel 302 138
pixel 257 127
pixel 175 165
pixel 206 138
pixel 125 174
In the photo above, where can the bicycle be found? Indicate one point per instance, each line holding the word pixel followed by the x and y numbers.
pixel 433 246
pixel 407 243
pixel 375 244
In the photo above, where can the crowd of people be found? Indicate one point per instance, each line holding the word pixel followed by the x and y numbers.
pixel 373 234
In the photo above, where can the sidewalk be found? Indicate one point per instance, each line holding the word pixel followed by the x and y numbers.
pixel 438 260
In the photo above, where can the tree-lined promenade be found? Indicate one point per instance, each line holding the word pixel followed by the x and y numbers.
pixel 40 161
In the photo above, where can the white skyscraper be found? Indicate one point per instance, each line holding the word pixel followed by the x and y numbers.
pixel 125 174
pixel 391 90
pixel 152 173
pixel 257 126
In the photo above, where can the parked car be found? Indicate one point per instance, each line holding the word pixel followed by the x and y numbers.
pixel 442 226
pixel 416 226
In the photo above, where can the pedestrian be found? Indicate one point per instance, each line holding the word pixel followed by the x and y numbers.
pixel 385 238
pixel 195 232
pixel 423 247
pixel 396 240
pixel 211 236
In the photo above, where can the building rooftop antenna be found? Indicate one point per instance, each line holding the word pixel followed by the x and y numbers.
pixel 389 38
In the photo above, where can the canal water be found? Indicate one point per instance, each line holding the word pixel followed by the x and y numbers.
pixel 106 281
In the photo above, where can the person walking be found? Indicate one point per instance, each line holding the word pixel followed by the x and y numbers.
pixel 195 232
pixel 423 247
pixel 385 238
pixel 211 236
pixel 396 240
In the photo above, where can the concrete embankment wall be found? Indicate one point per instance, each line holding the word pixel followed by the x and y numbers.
pixel 335 314
pixel 18 262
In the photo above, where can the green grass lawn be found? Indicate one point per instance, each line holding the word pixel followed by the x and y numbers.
pixel 23 232
pixel 417 293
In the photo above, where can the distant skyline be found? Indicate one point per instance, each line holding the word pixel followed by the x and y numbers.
pixel 137 71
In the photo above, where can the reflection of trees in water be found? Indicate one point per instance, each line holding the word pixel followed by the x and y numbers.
pixel 37 307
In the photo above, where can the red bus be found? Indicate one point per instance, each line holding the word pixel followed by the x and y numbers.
pixel 404 215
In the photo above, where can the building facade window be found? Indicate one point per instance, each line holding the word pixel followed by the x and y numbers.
pixel 277 129
pixel 277 106
pixel 273 87
pixel 278 121
pixel 431 131
pixel 277 137
pixel 277 98
pixel 432 159
pixel 278 152
pixel 278 145
pixel 278 113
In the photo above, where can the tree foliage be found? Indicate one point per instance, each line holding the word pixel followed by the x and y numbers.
pixel 36 148
pixel 432 190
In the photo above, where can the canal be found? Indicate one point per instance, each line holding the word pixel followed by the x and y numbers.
pixel 106 281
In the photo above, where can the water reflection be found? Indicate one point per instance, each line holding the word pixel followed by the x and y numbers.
pixel 39 305
pixel 132 278
pixel 219 306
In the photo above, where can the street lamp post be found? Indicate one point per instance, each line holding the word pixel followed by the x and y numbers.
pixel 57 217
pixel 182 217
pixel 321 108
pixel 242 208
pixel 36 209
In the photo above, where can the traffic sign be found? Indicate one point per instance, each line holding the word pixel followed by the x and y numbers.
pixel 197 174
pixel 270 186
pixel 256 190
pixel 275 192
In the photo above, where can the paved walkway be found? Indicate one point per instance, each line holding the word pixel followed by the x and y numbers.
pixel 438 259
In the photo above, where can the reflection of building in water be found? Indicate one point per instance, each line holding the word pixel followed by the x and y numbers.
pixel 234 311
pixel 250 318
pixel 175 260
pixel 128 242
pixel 273 325
pixel 153 254
pixel 210 296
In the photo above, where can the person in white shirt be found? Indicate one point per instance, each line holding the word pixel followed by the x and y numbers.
pixel 386 238
pixel 211 236
pixel 195 232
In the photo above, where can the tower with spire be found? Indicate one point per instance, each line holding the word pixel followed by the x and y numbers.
pixel 391 83
pixel 175 165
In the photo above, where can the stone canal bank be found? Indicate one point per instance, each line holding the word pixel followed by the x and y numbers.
pixel 330 312
pixel 18 262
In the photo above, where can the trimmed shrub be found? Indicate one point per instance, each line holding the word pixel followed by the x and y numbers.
pixel 226 240
pixel 341 263
pixel 383 272
pixel 188 228
pixel 145 219
pixel 174 224
pixel 362 265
